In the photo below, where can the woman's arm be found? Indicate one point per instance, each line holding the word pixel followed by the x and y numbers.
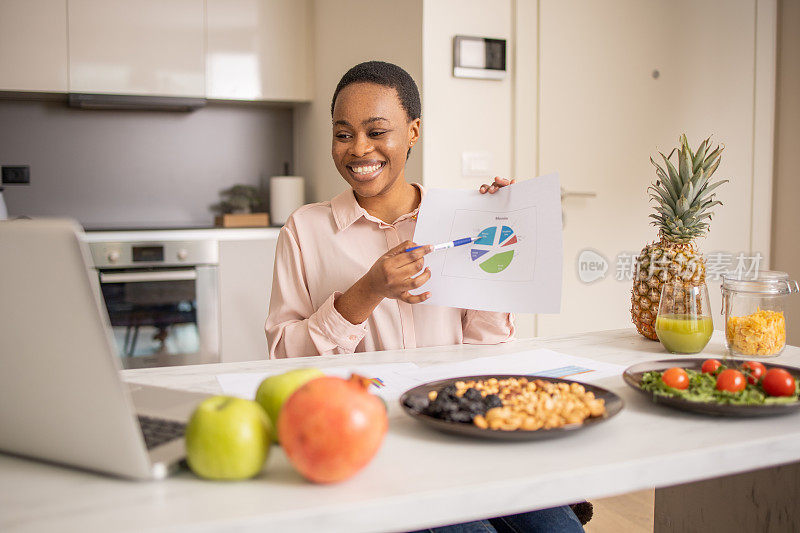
pixel 294 328
pixel 393 275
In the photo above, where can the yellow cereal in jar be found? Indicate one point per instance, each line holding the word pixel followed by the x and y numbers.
pixel 759 333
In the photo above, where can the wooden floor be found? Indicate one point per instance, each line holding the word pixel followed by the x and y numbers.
pixel 628 513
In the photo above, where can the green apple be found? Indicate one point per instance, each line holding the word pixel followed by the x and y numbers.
pixel 227 438
pixel 275 390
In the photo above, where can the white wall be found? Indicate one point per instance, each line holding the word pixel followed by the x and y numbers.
pixel 460 114
pixel 347 32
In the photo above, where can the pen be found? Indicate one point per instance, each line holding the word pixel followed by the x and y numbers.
pixel 442 246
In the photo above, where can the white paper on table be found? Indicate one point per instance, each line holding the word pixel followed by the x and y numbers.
pixel 542 362
pixel 396 378
pixel 514 267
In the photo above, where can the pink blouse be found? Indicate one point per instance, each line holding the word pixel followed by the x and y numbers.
pixel 323 249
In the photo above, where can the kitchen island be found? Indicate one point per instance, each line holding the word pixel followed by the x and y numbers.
pixel 422 478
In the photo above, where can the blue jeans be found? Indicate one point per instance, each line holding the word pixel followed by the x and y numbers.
pixel 553 520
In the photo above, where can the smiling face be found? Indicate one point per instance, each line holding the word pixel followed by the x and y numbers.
pixel 371 137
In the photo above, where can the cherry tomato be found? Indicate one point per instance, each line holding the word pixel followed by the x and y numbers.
pixel 754 371
pixel 710 366
pixel 778 382
pixel 730 380
pixel 675 377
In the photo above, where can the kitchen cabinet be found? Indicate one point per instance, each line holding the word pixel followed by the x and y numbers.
pixel 258 50
pixel 141 47
pixel 33 45
pixel 245 283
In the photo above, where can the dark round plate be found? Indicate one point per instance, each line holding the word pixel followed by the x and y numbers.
pixel 612 401
pixel 633 377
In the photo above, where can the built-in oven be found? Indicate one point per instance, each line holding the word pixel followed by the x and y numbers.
pixel 162 300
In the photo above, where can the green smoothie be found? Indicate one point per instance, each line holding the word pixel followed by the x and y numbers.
pixel 684 333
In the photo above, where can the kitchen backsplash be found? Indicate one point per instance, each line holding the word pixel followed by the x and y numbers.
pixel 137 168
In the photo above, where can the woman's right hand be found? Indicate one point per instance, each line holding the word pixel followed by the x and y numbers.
pixel 394 274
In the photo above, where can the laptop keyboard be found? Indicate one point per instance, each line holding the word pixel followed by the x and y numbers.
pixel 158 431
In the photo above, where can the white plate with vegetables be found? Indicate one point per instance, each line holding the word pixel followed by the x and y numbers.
pixel 730 387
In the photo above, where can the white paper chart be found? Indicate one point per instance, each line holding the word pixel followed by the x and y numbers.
pixel 514 265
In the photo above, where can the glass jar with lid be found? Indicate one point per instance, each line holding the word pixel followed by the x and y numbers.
pixel 755 324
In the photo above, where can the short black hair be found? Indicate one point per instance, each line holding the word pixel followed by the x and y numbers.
pixel 388 75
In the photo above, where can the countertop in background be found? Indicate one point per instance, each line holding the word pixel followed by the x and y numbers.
pixel 181 234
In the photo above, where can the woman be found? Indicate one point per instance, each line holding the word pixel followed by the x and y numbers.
pixel 329 293
pixel 331 296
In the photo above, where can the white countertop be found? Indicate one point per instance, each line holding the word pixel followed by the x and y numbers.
pixel 220 234
pixel 420 477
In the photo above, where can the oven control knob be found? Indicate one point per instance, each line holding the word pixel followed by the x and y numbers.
pixel 183 254
pixel 113 256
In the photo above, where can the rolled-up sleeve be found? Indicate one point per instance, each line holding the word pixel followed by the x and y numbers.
pixel 293 327
pixel 487 327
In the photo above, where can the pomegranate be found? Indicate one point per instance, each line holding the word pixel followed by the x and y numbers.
pixel 331 428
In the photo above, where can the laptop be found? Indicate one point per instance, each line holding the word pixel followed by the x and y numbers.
pixel 61 396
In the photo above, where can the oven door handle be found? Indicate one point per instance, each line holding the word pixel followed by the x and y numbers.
pixel 134 277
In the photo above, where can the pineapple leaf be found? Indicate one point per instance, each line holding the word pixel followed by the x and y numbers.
pixel 699 156
pixel 666 211
pixel 662 175
pixel 682 205
pixel 684 158
pixel 685 190
pixel 708 205
pixel 664 196
pixel 673 178
pixel 706 192
pixel 701 183
pixel 698 176
pixel 713 167
pixel 707 162
pixel 685 144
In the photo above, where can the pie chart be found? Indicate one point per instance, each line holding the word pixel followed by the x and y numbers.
pixel 494 248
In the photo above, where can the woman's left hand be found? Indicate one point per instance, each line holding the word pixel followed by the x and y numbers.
pixel 498 184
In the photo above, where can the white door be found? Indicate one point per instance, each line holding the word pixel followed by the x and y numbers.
pixel 619 80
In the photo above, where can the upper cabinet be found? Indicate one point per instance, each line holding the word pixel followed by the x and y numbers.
pixel 33 45
pixel 221 49
pixel 142 47
pixel 258 50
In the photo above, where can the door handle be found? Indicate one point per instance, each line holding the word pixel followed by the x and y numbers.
pixel 577 194
pixel 140 277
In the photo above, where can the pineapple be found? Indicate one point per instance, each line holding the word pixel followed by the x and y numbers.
pixel 684 198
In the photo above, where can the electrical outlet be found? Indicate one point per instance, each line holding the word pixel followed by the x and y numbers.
pixel 476 164
pixel 16 175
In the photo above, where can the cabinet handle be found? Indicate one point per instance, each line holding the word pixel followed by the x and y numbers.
pixel 138 277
